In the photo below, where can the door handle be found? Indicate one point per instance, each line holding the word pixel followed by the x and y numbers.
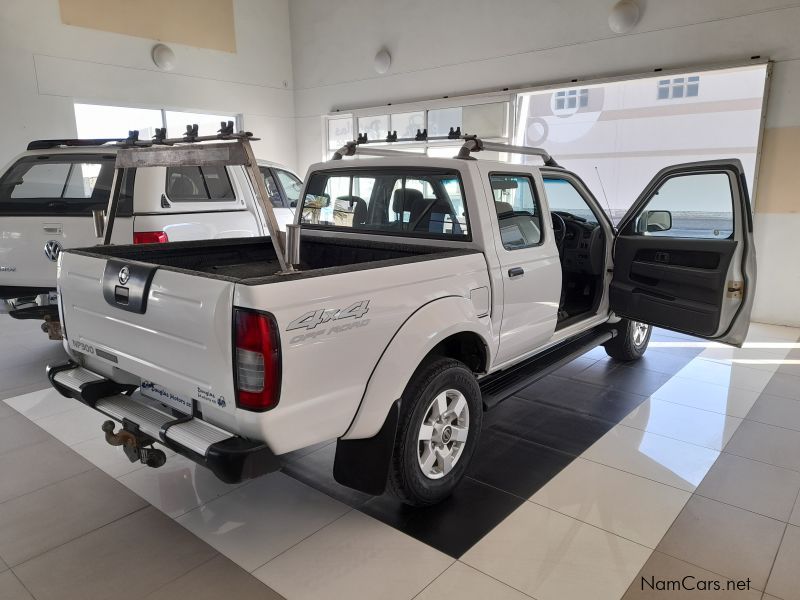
pixel 516 272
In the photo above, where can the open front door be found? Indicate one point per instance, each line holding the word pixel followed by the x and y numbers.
pixel 684 256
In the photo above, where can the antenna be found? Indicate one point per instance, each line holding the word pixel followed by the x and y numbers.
pixel 603 188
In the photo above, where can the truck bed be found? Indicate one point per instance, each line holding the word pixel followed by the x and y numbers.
pixel 252 261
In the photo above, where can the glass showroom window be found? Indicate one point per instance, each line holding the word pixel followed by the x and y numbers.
pixel 407 124
pixel 340 131
pixel 207 124
pixel 375 128
pixel 98 121
pixel 441 120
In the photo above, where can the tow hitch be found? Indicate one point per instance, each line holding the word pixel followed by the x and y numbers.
pixel 137 446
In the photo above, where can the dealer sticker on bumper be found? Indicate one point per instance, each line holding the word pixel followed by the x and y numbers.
pixel 163 395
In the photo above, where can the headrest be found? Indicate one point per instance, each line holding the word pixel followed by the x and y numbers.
pixel 503 207
pixel 351 200
pixel 404 199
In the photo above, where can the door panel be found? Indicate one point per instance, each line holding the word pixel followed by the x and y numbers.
pixel 684 257
pixel 671 282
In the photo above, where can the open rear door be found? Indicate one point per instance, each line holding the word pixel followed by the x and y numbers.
pixel 684 256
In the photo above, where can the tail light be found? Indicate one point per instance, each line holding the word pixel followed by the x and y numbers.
pixel 150 237
pixel 257 355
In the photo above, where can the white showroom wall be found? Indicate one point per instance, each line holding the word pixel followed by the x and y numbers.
pixel 453 47
pixel 46 66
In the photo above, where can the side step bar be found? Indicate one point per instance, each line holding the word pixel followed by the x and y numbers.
pixel 231 458
pixel 498 386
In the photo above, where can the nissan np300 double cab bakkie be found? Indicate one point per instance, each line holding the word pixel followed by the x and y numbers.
pixel 412 295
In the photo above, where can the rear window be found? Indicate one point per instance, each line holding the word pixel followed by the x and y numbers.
pixel 423 203
pixel 56 185
pixel 199 184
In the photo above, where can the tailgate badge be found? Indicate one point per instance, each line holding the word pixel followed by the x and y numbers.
pixel 52 249
pixel 124 275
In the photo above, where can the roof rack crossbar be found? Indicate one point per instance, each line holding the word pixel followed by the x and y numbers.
pixel 471 144
pixel 474 144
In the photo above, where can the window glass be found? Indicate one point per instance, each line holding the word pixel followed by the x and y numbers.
pixel 563 197
pixel 391 201
pixel 376 128
pixel 690 206
pixel 272 189
pixel 199 184
pixel 517 211
pixel 340 131
pixel 56 186
pixel 407 124
pixel 207 124
pixel 292 186
pixel 98 121
pixel 441 120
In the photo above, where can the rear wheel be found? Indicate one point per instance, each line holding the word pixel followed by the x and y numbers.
pixel 439 428
pixel 631 340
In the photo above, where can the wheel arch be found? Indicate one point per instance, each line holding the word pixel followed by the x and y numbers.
pixel 445 327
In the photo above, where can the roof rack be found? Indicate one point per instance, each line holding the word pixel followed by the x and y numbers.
pixel 47 144
pixel 235 149
pixel 472 143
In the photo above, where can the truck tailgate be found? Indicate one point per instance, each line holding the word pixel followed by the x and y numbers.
pixel 173 330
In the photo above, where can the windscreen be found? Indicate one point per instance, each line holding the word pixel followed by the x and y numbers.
pixel 408 202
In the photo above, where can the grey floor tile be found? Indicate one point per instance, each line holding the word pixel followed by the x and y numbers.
pixel 795 518
pixel 724 539
pixel 752 485
pixel 767 443
pixel 36 466
pixel 6 411
pixel 776 410
pixel 129 558
pixel 662 570
pixel 215 579
pixel 17 432
pixel 37 522
pixel 784 581
pixel 25 389
pixel 3 566
pixel 11 588
pixel 782 384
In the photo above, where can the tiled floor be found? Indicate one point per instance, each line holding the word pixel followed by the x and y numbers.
pixel 595 482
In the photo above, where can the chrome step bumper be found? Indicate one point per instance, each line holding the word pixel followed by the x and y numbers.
pixel 230 457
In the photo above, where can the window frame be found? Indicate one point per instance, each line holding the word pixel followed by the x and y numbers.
pixel 537 202
pixel 631 227
pixel 287 202
pixel 41 210
pixel 233 197
pixel 377 172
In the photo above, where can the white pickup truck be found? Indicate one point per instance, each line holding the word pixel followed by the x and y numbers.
pixel 48 195
pixel 427 291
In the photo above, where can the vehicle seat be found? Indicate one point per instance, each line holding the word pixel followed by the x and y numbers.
pixel 404 200
pixel 358 206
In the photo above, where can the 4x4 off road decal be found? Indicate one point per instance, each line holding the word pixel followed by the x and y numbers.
pixel 317 317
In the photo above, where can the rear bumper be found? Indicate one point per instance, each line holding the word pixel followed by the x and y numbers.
pixel 231 458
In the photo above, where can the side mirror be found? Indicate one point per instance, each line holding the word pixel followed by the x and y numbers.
pixel 99 222
pixel 655 221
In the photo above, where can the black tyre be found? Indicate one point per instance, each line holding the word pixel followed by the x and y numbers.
pixel 631 341
pixel 440 422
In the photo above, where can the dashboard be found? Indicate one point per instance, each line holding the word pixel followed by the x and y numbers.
pixel 582 249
